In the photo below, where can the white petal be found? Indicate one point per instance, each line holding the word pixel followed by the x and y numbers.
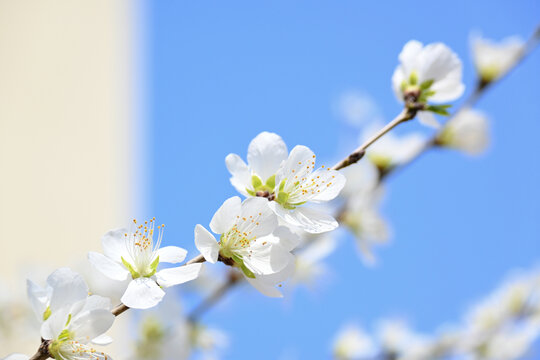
pixel 73 350
pixel 267 259
pixel 178 275
pixel 94 302
pixel 142 293
pixel 307 219
pixel 241 175
pixel 206 244
pixel 225 216
pixel 108 267
pixel 264 288
pixel 171 254
pixel 299 163
pixel 334 182
pixel 102 340
pixel 68 287
pixel 17 357
pixel 410 52
pixel 91 324
pixel 427 118
pixel 114 244
pixel 54 325
pixel 286 238
pixel 38 297
pixel 256 217
pixel 266 152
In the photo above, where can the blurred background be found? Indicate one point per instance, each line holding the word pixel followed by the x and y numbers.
pixel 111 110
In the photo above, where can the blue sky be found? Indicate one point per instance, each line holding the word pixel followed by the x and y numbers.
pixel 221 72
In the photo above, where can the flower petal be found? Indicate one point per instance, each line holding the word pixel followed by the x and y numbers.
pixel 225 216
pixel 300 162
pixel 171 254
pixel 256 217
pixel 427 118
pixel 91 324
pixel 286 238
pixel 206 244
pixel 107 266
pixel 266 152
pixel 178 275
pixel 68 287
pixel 114 244
pixel 102 340
pixel 264 288
pixel 267 259
pixel 38 297
pixel 334 181
pixel 142 293
pixel 17 357
pixel 310 220
pixel 241 175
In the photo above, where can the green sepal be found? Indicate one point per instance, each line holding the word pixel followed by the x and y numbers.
pixel 47 313
pixel 250 192
pixel 282 185
pixel 240 263
pixel 271 182
pixel 256 181
pixel 134 274
pixel 282 197
pixel 68 320
pixel 153 266
pixel 426 84
pixel 439 109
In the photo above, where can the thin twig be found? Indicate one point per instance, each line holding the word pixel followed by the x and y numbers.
pixel 357 154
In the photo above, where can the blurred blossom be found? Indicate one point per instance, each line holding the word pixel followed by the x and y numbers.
pixel 362 197
pixel 357 108
pixel 392 150
pixel 310 268
pixel 352 342
pixel 467 131
pixel 165 334
pixel 493 59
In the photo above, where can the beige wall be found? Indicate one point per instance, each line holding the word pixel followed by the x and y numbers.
pixel 68 129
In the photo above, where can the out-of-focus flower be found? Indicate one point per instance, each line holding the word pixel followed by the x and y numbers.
pixel 64 287
pixel 361 214
pixel 392 150
pixel 357 108
pixel 266 152
pixel 468 131
pixel 426 74
pixel 165 334
pixel 72 327
pixel 493 59
pixel 309 266
pixel 297 184
pixel 353 343
pixel 134 254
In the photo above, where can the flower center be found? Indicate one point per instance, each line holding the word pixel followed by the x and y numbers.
pixel 142 250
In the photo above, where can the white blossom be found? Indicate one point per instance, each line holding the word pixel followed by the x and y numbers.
pixel 468 131
pixel 16 357
pixel 248 238
pixel 71 328
pixel 64 287
pixel 134 254
pixel 493 59
pixel 297 183
pixel 428 73
pixel 266 152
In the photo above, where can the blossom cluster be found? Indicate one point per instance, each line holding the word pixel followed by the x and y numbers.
pixel 280 229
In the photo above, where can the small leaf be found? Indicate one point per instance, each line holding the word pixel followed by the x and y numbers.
pixel 256 181
pixel 413 78
pixel 271 182
pixel 439 109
